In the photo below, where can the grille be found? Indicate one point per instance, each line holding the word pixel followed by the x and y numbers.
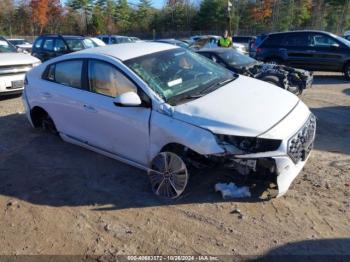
pixel 14 69
pixel 300 145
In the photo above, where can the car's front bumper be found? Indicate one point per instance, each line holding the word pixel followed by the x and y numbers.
pixel 6 86
pixel 285 163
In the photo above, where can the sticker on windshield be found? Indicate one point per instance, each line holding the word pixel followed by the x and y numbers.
pixel 175 82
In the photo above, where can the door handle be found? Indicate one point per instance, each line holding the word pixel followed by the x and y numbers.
pixel 90 108
pixel 282 49
pixel 310 51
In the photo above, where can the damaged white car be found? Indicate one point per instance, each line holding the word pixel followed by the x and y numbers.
pixel 161 108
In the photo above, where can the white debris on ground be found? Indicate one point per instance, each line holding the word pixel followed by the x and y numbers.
pixel 230 190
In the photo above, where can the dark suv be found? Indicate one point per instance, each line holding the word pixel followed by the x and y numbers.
pixel 311 50
pixel 49 46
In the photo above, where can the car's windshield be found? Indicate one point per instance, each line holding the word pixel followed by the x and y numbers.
pixel 18 42
pixel 234 58
pixel 75 44
pixel 89 43
pixel 6 47
pixel 176 73
pixel 342 40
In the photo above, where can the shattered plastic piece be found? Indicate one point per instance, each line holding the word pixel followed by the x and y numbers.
pixel 230 190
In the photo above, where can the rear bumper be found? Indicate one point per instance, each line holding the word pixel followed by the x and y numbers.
pixel 6 84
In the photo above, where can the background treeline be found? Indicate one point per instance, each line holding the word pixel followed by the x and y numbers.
pixel 176 18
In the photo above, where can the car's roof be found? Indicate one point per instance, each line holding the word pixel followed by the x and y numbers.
pixel 65 36
pixel 126 51
pixel 216 50
pixel 15 39
pixel 118 36
pixel 300 31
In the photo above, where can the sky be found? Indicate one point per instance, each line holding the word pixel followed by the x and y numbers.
pixel 156 3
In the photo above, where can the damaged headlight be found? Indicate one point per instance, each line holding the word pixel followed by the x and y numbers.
pixel 249 144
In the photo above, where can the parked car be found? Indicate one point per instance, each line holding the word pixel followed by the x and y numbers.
pixel 255 43
pixel 291 79
pixel 13 66
pixel 47 47
pixel 97 42
pixel 244 40
pixel 173 42
pixel 310 50
pixel 211 41
pixel 163 108
pixel 115 39
pixel 22 44
pixel 347 37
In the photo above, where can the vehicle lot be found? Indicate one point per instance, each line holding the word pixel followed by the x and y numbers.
pixel 57 198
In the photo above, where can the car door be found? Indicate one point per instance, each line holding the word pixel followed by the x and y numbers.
pixel 47 50
pixel 327 52
pixel 64 97
pixel 60 47
pixel 123 131
pixel 299 53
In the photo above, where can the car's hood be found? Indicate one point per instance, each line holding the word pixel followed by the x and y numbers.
pixel 8 59
pixel 24 46
pixel 244 107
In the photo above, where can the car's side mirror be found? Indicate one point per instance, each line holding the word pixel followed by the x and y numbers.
pixel 127 99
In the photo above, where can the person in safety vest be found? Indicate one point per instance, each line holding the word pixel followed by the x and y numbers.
pixel 225 40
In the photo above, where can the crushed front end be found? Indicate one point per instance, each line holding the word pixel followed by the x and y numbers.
pixel 279 161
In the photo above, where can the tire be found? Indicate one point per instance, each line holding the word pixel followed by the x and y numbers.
pixel 272 80
pixel 347 71
pixel 168 175
pixel 47 124
pixel 273 61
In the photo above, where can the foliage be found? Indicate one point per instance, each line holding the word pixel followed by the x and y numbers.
pixel 30 17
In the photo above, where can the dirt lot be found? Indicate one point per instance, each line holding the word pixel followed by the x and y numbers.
pixel 57 198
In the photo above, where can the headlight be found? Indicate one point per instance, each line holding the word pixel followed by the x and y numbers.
pixel 250 144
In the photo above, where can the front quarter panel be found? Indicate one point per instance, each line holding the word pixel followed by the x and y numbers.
pixel 166 130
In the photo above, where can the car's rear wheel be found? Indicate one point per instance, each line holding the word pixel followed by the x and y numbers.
pixel 347 71
pixel 47 124
pixel 168 175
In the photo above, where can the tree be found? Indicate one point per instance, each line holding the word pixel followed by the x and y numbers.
pixel 85 7
pixel 122 15
pixel 40 10
pixel 144 14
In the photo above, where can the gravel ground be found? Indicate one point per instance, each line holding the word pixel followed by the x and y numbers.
pixel 57 198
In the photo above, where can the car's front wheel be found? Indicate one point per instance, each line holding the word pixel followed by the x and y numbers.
pixel 347 71
pixel 168 175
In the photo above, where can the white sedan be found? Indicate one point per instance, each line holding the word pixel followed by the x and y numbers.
pixel 13 66
pixel 162 108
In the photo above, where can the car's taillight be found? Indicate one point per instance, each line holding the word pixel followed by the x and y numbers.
pixel 258 50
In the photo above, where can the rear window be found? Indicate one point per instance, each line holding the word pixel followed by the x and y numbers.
pixel 273 40
pixel 300 39
pixel 68 73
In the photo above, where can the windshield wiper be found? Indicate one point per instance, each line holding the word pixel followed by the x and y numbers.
pixel 217 85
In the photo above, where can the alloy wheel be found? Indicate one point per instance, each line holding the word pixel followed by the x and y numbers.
pixel 168 175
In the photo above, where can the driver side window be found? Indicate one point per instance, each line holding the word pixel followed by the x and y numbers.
pixel 320 40
pixel 105 79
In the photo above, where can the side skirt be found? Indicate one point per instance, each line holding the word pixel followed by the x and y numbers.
pixel 84 144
